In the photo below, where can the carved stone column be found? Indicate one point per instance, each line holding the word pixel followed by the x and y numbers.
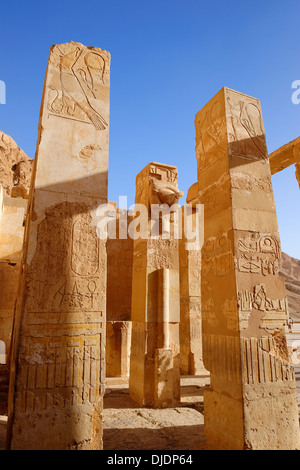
pixel 57 380
pixel 191 361
pixel 252 401
pixel 154 365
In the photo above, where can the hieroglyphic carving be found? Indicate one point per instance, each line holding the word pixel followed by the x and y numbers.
pixel 60 368
pixel 260 244
pixel 265 362
pixel 87 151
pixel 259 300
pixel 256 265
pixel 222 356
pixel 246 182
pixel 210 134
pixel 85 248
pixel 245 127
pixel 208 313
pixel 80 294
pixel 75 91
pixel 71 281
pixel 217 256
pixel 163 172
pixel 70 376
pixel 258 254
pixel 274 310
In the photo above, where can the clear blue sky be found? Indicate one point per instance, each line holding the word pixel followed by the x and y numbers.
pixel 169 58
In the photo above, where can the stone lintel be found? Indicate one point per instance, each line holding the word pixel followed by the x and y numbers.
pixel 284 156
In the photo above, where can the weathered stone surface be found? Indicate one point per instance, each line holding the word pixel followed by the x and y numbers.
pixel 15 167
pixel 57 381
pixel 12 217
pixel 244 306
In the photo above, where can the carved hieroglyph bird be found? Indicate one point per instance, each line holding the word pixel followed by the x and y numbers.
pixel 72 87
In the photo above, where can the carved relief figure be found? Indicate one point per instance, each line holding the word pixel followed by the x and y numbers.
pixel 246 132
pixel 81 76
pixel 210 129
pixel 159 186
pixel 259 300
pixel 164 192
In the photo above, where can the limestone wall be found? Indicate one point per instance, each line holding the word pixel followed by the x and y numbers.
pixel 15 166
pixel 11 241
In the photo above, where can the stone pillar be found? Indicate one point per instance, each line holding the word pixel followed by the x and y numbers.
pixel 57 381
pixel 154 365
pixel 191 360
pixel 118 346
pixel 252 401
